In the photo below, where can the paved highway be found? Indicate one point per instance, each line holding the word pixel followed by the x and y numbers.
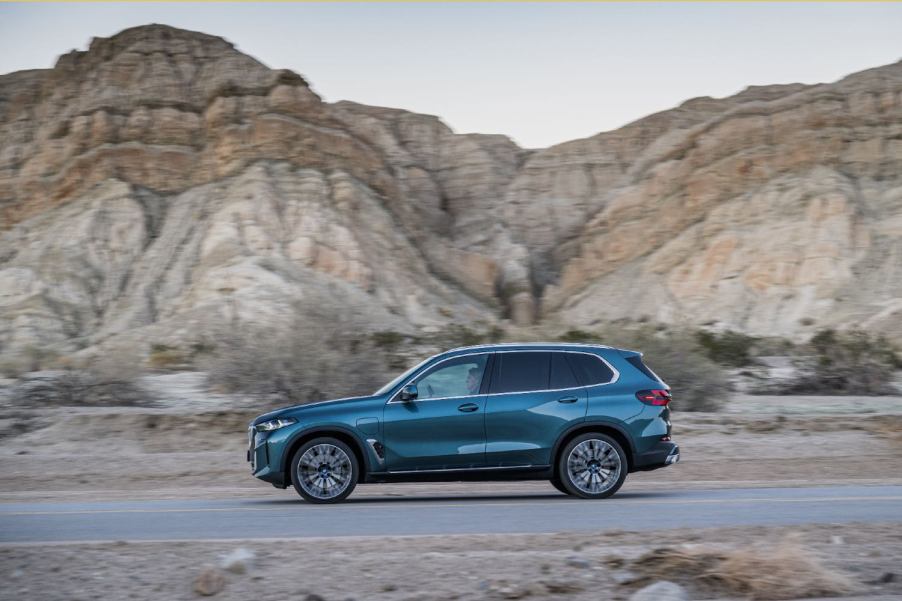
pixel 281 515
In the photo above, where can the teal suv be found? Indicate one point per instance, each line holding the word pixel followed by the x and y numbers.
pixel 581 416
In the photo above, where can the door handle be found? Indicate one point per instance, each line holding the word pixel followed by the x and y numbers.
pixel 567 399
pixel 468 407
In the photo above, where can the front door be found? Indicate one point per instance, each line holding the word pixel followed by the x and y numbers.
pixel 535 397
pixel 444 427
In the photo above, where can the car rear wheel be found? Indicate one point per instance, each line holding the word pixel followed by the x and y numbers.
pixel 324 470
pixel 592 466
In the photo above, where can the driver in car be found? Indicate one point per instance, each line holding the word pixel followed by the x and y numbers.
pixel 473 380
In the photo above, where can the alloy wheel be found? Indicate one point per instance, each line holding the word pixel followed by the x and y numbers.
pixel 594 466
pixel 324 471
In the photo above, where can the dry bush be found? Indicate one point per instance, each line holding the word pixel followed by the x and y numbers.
pixel 102 381
pixel 312 359
pixel 782 571
pixel 167 358
pixel 697 382
pixel 727 348
pixel 31 358
pixel 845 363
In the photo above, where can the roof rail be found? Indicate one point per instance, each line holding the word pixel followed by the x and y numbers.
pixel 509 344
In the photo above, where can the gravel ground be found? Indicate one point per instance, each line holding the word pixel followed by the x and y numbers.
pixel 100 453
pixel 120 452
pixel 589 566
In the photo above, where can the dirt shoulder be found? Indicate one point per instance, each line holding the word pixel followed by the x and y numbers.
pixel 119 452
pixel 709 563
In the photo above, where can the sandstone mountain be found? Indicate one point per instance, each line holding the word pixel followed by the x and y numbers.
pixel 162 184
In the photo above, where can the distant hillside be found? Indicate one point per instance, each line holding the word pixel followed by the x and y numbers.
pixel 162 183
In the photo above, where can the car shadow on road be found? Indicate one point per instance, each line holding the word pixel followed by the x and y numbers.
pixel 426 499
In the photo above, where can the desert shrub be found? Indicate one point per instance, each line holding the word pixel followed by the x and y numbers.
pixel 456 335
pixel 576 335
pixel 387 339
pixel 310 360
pixel 36 358
pixel 166 357
pixel 698 384
pixel 495 334
pixel 11 367
pixel 201 347
pixel 104 381
pixel 785 570
pixel 846 363
pixel 727 348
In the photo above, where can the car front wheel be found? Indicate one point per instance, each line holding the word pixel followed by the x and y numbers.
pixel 592 466
pixel 324 470
pixel 556 482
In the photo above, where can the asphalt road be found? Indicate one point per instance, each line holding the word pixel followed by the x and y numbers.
pixel 282 515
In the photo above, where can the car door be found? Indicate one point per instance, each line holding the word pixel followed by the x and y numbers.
pixel 444 427
pixel 534 396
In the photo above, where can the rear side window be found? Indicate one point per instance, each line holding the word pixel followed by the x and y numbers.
pixel 590 369
pixel 520 372
pixel 636 361
pixel 561 374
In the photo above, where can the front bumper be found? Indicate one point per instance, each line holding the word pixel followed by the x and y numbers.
pixel 258 455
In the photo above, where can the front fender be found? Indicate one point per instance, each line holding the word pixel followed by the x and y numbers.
pixel 290 443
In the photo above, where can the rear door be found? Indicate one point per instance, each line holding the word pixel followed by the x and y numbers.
pixel 534 396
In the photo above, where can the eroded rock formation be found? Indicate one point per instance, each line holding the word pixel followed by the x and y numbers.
pixel 162 183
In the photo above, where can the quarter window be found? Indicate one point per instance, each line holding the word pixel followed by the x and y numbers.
pixel 457 377
pixel 561 374
pixel 520 372
pixel 590 369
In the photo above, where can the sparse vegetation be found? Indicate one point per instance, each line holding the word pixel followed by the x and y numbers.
pixel 698 383
pixel 578 336
pixel 845 363
pixel 727 348
pixel 166 357
pixel 782 571
pixel 387 339
pixel 110 381
pixel 464 336
pixel 304 362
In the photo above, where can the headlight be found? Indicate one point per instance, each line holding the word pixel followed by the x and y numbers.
pixel 275 424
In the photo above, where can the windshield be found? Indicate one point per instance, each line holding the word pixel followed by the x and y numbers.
pixel 402 377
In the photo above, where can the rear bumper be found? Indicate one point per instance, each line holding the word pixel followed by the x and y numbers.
pixel 662 455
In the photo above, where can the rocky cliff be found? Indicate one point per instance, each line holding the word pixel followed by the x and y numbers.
pixel 162 184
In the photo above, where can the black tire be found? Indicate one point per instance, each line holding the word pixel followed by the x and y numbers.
pixel 611 454
pixel 556 482
pixel 345 458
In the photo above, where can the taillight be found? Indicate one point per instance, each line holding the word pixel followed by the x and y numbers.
pixel 654 397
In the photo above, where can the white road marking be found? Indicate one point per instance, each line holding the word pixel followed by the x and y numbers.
pixel 425 504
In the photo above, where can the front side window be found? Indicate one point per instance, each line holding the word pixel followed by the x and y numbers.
pixel 521 372
pixel 457 377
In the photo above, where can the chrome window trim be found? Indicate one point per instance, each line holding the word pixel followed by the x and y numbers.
pixel 394 399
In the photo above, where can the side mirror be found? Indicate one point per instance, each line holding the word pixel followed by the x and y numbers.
pixel 408 393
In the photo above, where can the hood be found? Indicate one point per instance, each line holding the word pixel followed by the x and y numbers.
pixel 300 409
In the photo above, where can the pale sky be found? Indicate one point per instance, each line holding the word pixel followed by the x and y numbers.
pixel 540 73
